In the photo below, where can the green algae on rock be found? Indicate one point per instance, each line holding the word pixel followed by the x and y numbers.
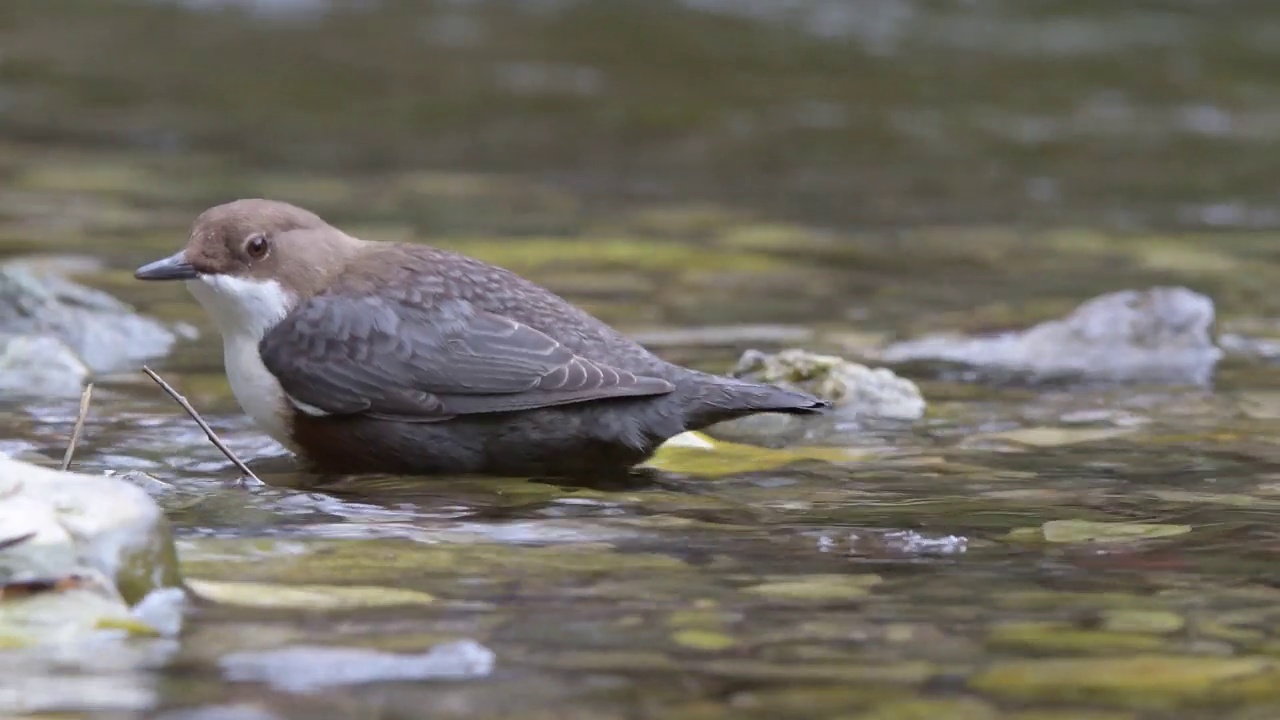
pixel 897 673
pixel 396 562
pixel 305 597
pixel 816 588
pixel 693 453
pixel 811 700
pixel 1158 622
pixel 858 393
pixel 855 390
pixel 703 640
pixel 1066 531
pixel 1070 714
pixel 929 709
pixel 1136 681
pixel 1064 637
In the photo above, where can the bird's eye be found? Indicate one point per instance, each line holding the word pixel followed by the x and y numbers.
pixel 257 247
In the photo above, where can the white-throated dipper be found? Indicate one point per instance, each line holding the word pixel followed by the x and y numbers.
pixel 380 357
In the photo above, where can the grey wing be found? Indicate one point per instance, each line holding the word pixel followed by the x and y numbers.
pixel 375 356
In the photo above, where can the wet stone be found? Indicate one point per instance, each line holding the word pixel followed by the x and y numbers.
pixel 817 588
pixel 1046 437
pixel 1142 621
pixel 929 709
pixel 39 366
pixel 1057 714
pixel 696 454
pixel 1158 335
pixel 1061 637
pixel 855 390
pixel 105 334
pixel 858 394
pixel 1089 531
pixel 90 581
pixel 220 712
pixel 303 669
pixel 306 597
pixel 1136 681
pixel 806 700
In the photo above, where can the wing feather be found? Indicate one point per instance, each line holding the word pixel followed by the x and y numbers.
pixel 383 358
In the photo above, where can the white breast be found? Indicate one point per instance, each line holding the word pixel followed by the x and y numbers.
pixel 244 310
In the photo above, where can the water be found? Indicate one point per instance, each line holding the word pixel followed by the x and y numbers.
pixel 842 172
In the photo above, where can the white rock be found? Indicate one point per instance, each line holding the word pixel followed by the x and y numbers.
pixel 1161 335
pixel 105 333
pixel 309 669
pixel 39 366
pixel 104 530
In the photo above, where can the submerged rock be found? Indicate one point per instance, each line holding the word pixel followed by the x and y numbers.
pixel 1144 681
pixel 309 669
pixel 79 553
pixel 105 335
pixel 857 392
pixel 1159 335
pixel 696 454
pixel 39 365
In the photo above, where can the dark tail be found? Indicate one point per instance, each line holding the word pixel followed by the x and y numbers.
pixel 717 399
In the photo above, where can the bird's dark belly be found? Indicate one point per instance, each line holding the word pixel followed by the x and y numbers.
pixel 581 440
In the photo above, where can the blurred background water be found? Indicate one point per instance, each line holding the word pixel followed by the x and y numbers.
pixel 859 112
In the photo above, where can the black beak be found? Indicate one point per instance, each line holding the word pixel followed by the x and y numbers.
pixel 174 267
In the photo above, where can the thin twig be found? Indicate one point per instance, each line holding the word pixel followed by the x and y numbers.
pixel 208 431
pixel 79 426
pixel 14 541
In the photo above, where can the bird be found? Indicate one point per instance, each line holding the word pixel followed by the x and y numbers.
pixel 378 357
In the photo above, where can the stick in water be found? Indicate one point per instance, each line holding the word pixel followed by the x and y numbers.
pixel 208 431
pixel 79 426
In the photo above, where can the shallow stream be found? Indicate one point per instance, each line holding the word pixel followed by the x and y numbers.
pixel 1023 552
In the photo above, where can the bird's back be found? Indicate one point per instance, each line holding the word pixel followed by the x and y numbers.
pixel 422 275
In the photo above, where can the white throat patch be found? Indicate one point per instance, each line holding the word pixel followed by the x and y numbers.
pixel 241 305
pixel 244 310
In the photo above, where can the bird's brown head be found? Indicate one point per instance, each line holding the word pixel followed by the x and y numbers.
pixel 250 261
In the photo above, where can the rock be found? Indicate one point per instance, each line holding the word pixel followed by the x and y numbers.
pixel 1159 335
pixel 1251 338
pixel 306 597
pixel 1145 681
pixel 856 390
pixel 928 708
pixel 858 393
pixel 1253 348
pixel 39 365
pixel 1089 531
pixel 220 712
pixel 1046 437
pixel 309 669
pixel 817 588
pixel 105 539
pixel 696 454
pixel 106 334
